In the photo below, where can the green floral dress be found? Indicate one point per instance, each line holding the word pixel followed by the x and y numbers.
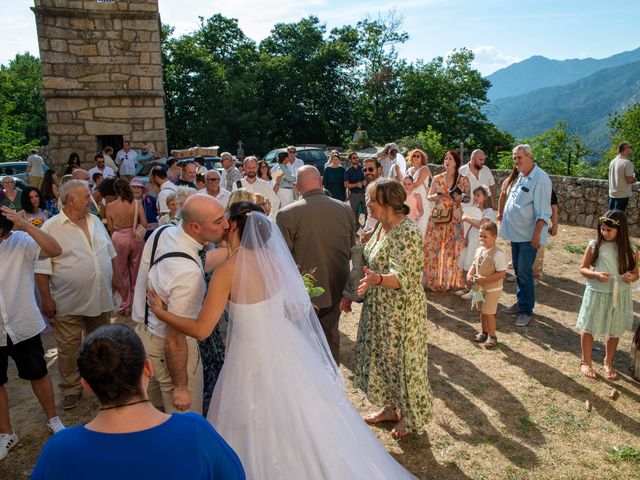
pixel 391 351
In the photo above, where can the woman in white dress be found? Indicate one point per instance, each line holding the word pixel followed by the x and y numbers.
pixel 279 400
pixel 421 175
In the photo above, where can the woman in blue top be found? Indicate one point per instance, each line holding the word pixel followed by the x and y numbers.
pixel 129 438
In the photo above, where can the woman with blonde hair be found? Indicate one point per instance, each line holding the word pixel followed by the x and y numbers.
pixel 422 177
pixel 391 348
pixel 240 195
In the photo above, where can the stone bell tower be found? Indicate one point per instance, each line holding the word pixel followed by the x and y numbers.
pixel 102 75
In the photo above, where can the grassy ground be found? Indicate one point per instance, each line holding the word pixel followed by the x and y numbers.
pixel 514 413
pixel 519 412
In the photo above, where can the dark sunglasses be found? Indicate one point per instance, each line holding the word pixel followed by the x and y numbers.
pixel 370 169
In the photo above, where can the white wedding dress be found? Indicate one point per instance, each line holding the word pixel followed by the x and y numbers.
pixel 279 400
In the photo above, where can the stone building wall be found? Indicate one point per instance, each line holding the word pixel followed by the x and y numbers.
pixel 101 73
pixel 581 200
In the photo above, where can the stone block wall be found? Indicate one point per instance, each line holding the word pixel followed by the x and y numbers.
pixel 581 201
pixel 101 73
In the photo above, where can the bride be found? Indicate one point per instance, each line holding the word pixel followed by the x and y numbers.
pixel 279 400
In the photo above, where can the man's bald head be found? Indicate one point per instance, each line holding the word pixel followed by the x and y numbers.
pixel 197 208
pixel 308 178
pixel 80 174
pixel 203 219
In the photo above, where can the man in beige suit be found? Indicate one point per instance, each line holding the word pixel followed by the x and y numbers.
pixel 320 232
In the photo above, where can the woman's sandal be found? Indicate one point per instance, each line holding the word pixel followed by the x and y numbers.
pixel 610 373
pixel 587 370
pixel 481 337
pixel 492 342
pixel 387 414
pixel 399 429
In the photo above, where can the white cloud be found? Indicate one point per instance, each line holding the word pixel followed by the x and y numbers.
pixel 488 59
pixel 17 30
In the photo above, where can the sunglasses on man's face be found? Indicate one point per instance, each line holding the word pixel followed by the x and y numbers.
pixel 370 169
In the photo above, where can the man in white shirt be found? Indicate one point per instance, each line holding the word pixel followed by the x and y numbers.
pixel 177 371
pixel 478 173
pixel 108 160
pixel 20 319
pixel 35 169
pixel 621 178
pixel 126 160
pixel 160 179
pixel 76 287
pixel 100 168
pixel 391 156
pixel 254 184
pixel 230 174
pixel 214 190
pixel 294 162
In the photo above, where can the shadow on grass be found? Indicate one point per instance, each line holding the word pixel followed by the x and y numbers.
pixel 553 378
pixel 448 370
pixel 544 332
pixel 417 450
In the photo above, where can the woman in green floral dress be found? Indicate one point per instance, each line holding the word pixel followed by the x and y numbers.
pixel 392 337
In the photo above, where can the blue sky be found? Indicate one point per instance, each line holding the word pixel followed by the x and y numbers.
pixel 500 32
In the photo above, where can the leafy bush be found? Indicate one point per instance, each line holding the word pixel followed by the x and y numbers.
pixel 428 140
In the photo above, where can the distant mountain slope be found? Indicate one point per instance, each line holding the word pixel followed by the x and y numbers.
pixel 539 72
pixel 585 104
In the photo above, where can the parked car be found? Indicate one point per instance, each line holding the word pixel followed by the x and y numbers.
pixel 309 155
pixel 143 169
pixel 17 170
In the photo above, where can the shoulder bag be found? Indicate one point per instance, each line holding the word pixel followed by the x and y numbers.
pixel 138 230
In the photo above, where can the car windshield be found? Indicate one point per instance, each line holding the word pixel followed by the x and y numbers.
pixel 271 156
pixel 12 169
pixel 144 169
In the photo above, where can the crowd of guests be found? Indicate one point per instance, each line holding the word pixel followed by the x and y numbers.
pixel 78 243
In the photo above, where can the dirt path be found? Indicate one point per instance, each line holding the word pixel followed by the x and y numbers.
pixel 514 413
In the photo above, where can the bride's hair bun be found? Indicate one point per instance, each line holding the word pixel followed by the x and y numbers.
pixel 239 213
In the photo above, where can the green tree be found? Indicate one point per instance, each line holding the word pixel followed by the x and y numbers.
pixel 557 151
pixel 378 72
pixel 23 124
pixel 625 127
pixel 209 80
pixel 428 140
pixel 306 86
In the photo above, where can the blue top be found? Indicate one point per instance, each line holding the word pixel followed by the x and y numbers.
pixel 354 175
pixel 529 201
pixel 288 179
pixel 186 446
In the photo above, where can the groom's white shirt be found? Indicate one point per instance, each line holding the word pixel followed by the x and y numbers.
pixel 178 281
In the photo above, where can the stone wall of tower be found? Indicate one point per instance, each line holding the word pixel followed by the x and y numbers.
pixel 101 73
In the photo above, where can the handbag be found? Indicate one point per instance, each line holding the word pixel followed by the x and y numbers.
pixel 138 230
pixel 441 215
pixel 356 274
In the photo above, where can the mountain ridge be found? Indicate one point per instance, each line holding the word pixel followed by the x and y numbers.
pixel 586 104
pixel 539 72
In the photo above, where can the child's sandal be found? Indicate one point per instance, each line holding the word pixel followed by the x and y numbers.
pixel 611 373
pixel 481 337
pixel 492 342
pixel 587 370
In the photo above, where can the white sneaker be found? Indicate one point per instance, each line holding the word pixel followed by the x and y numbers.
pixel 7 442
pixel 55 425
